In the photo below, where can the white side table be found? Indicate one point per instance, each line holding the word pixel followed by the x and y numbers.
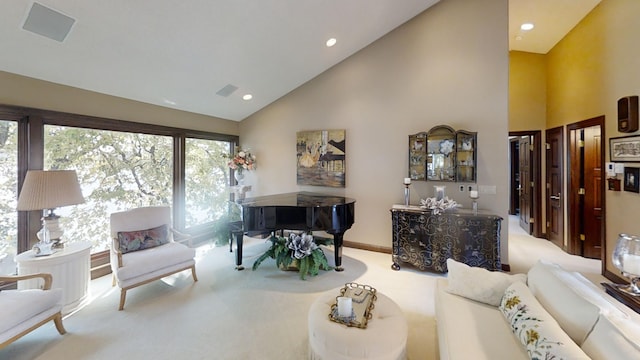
pixel 70 268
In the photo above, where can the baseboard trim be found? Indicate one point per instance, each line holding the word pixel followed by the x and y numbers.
pixel 361 246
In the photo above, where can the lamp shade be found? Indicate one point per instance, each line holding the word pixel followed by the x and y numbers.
pixel 49 189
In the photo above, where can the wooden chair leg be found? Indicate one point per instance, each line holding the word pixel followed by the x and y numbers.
pixel 123 295
pixel 58 321
pixel 193 273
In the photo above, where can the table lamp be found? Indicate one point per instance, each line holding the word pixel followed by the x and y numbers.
pixel 47 190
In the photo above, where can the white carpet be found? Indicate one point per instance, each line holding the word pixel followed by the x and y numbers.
pixel 231 314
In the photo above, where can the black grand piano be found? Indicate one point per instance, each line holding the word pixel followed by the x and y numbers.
pixel 295 211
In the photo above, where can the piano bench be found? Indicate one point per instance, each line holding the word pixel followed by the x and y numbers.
pixel 385 337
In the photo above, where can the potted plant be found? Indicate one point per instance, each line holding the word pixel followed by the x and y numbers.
pixel 297 251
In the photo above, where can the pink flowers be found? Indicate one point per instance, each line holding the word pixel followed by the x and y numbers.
pixel 243 160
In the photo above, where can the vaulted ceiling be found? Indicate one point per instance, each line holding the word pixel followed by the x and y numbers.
pixel 203 56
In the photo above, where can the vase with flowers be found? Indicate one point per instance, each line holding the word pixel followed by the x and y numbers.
pixel 241 161
pixel 297 250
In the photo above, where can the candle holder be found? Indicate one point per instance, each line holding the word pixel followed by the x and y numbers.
pixel 407 182
pixel 626 257
pixel 473 194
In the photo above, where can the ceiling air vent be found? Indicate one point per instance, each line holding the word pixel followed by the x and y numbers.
pixel 227 90
pixel 48 22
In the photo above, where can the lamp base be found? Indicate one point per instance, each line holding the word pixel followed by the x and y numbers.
pixel 57 244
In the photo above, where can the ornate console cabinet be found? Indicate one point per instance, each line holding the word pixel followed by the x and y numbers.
pixel 426 240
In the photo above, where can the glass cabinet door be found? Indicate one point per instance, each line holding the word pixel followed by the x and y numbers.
pixel 466 156
pixel 417 156
pixel 441 154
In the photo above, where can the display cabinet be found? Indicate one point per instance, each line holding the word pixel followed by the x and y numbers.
pixel 426 240
pixel 443 154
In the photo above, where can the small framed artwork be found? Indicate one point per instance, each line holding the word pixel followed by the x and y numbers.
pixel 631 181
pixel 625 149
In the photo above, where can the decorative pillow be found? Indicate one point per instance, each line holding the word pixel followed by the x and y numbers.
pixel 142 239
pixel 538 332
pixel 479 284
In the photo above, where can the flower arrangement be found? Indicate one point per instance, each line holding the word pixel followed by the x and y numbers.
pixel 438 206
pixel 300 250
pixel 242 160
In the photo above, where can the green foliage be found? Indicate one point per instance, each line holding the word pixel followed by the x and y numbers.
pixel 308 265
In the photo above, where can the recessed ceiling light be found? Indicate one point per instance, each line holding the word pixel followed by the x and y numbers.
pixel 247 97
pixel 526 26
pixel 518 37
pixel 331 42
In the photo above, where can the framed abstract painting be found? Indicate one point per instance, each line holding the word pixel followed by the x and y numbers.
pixel 321 158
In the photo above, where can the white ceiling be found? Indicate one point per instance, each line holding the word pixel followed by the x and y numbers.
pixel 178 54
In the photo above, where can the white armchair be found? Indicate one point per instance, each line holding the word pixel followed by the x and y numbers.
pixel 144 249
pixel 27 310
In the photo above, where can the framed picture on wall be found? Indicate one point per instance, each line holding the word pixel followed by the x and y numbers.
pixel 625 149
pixel 631 181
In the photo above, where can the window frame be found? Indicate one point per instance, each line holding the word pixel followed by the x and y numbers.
pixel 31 124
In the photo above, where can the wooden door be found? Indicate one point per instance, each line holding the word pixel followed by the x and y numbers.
pixel 524 169
pixel 554 193
pixel 514 177
pixel 592 213
pixel 586 192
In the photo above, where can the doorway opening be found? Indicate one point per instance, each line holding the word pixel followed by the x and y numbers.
pixel 525 180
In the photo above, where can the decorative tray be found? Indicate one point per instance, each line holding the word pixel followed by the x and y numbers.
pixel 362 300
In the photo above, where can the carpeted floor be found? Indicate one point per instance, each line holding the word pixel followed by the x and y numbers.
pixel 261 314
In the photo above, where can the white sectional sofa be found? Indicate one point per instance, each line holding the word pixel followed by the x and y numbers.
pixel 556 314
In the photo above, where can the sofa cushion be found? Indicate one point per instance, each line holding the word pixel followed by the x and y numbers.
pixel 129 241
pixel 139 263
pixel 479 284
pixel 536 329
pixel 613 338
pixel 554 287
pixel 25 304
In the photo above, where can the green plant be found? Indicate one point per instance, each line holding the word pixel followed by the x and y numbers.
pixel 302 250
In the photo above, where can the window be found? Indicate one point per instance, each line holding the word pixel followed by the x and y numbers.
pixel 8 196
pixel 206 180
pixel 117 171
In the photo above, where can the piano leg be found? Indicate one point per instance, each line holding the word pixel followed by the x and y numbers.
pixel 337 244
pixel 238 236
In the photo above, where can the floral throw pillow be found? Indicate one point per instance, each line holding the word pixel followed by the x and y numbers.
pixel 538 332
pixel 142 239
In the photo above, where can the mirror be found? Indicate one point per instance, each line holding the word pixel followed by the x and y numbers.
pixel 441 154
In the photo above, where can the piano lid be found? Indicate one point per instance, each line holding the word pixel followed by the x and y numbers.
pixel 297 199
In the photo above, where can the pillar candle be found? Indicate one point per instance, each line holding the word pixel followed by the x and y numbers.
pixel 344 306
pixel 407 181
pixel 631 264
pixel 473 194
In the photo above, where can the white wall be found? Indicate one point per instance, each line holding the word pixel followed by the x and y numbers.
pixel 449 65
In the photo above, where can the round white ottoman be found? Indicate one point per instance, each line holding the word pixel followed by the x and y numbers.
pixel 385 337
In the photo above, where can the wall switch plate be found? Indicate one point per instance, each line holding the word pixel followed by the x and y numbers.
pixel 487 189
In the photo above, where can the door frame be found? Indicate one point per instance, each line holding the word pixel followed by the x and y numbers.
pixel 573 194
pixel 536 175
